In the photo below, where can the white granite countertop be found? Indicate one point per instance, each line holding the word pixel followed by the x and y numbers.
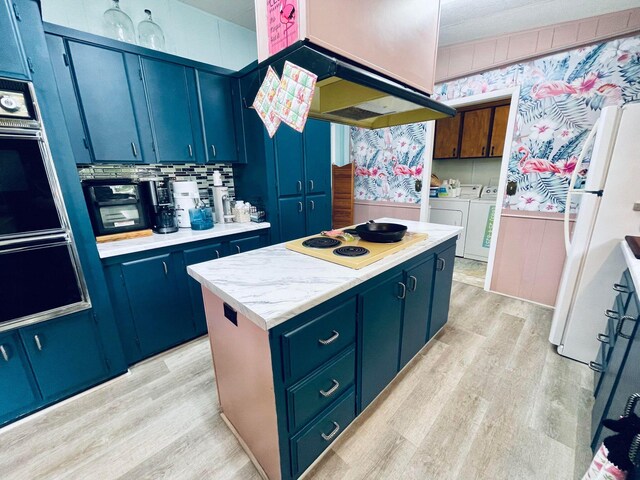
pixel 632 262
pixel 184 235
pixel 271 285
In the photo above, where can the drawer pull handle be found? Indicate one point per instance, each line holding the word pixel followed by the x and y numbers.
pixel 621 323
pixel 414 283
pixel 217 254
pixel 213 150
pixel 36 338
pixel 332 390
pixel 299 184
pixel 611 314
pixel 300 207
pixel 238 248
pixel 329 340
pixel 134 150
pixel 603 338
pixel 5 355
pixel 596 367
pixel 310 185
pixel 403 288
pixel 190 150
pixel 333 433
pixel 313 205
pixel 165 268
pixel 620 288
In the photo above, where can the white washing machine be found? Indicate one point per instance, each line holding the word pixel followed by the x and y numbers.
pixel 480 225
pixel 454 211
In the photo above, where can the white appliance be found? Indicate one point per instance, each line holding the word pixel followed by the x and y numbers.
pixel 186 196
pixel 480 225
pixel 594 261
pixel 454 211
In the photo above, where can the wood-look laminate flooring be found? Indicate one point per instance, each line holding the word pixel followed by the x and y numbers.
pixel 488 398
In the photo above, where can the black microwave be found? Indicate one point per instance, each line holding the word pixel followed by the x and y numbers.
pixel 115 206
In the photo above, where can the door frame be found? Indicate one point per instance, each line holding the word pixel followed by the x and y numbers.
pixel 512 93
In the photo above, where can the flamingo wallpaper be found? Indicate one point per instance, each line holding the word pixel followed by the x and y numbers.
pixel 560 99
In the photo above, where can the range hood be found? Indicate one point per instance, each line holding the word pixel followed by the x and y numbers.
pixel 351 94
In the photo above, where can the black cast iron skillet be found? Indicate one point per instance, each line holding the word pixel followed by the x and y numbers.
pixel 381 232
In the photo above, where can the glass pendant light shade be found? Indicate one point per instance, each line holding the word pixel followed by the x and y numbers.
pixel 117 24
pixel 150 34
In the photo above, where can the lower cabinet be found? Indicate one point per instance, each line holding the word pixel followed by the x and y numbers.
pixel 292 218
pixel 48 361
pixel 442 282
pixel 157 304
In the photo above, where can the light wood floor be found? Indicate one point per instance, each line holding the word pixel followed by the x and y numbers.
pixel 487 399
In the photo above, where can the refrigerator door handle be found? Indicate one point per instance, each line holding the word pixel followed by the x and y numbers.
pixel 572 183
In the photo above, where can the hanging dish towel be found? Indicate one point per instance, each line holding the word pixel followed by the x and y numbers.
pixel 293 99
pixel 264 101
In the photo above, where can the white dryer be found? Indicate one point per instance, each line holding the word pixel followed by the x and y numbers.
pixel 480 225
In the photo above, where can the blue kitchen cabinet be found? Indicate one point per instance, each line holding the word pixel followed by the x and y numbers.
pixel 289 161
pixel 246 244
pixel 66 354
pixel 13 61
pixel 442 282
pixel 160 314
pixel 218 117
pixel 292 218
pixel 20 393
pixel 318 213
pixel 417 309
pixel 381 318
pixel 103 86
pixel 317 156
pixel 191 257
pixel 171 93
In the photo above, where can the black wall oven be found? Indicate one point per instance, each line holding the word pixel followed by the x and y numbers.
pixel 40 275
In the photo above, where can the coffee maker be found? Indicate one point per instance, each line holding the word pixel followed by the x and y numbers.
pixel 162 213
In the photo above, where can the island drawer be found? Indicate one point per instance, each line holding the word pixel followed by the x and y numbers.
pixel 316 392
pixel 312 441
pixel 315 342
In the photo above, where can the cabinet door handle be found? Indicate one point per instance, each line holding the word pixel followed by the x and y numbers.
pixel 334 336
pixel 611 314
pixel 166 269
pixel 134 149
pixel 620 288
pixel 299 183
pixel 333 433
pixel 483 149
pixel 238 248
pixel 313 204
pixel 414 283
pixel 332 390
pixel 36 338
pixel 300 207
pixel 213 150
pixel 621 323
pixel 441 265
pixel 492 147
pixel 596 367
pixel 217 254
pixel 4 353
pixel 602 338
pixel 190 150
pixel 453 152
pixel 310 185
pixel 403 288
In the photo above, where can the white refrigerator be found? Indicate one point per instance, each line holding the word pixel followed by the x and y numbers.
pixel 606 214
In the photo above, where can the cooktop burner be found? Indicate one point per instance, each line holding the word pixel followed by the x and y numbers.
pixel 351 251
pixel 321 242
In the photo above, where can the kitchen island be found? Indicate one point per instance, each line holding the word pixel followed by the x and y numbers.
pixel 302 346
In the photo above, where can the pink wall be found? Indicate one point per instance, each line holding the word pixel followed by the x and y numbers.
pixel 364 211
pixel 467 58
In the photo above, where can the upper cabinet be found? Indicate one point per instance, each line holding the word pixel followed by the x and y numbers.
pixel 218 117
pixel 351 29
pixel 477 133
pixel 171 94
pixel 123 105
pixel 13 61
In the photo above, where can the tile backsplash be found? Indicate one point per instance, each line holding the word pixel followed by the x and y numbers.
pixel 203 174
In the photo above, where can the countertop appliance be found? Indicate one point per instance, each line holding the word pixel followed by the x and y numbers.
pixel 605 216
pixel 354 254
pixel 41 274
pixel 186 196
pixel 115 205
pixel 159 206
pixel 222 204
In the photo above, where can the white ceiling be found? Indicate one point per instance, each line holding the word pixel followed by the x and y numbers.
pixel 462 20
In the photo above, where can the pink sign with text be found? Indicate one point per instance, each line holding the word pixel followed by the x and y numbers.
pixel 282 24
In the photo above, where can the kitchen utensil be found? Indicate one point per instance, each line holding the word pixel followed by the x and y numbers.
pixel 381 232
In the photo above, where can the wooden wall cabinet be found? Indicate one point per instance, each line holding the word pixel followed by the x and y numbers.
pixel 447 137
pixel 475 133
pixel 499 130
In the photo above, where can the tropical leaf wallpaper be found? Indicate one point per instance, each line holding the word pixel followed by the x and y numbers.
pixel 560 99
